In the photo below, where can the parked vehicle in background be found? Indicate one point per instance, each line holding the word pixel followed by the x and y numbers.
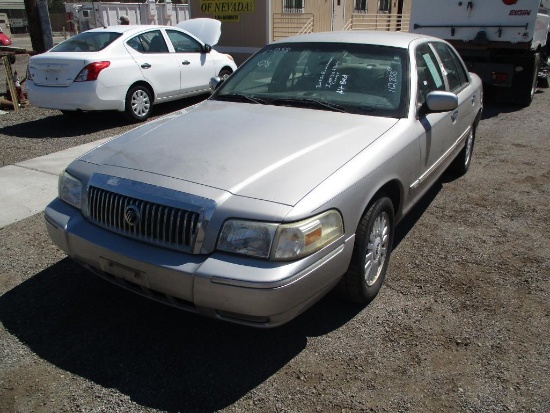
pixel 127 68
pixel 288 181
pixel 503 41
pixel 4 39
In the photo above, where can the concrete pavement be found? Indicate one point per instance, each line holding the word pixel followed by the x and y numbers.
pixel 27 187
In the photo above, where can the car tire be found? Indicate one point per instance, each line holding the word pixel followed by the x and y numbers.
pixel 525 84
pixel 462 162
pixel 224 74
pixel 371 253
pixel 139 104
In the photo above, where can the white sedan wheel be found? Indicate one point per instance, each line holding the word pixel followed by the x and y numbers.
pixel 138 104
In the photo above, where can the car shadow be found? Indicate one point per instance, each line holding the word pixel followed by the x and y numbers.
pixel 61 126
pixel 409 221
pixel 492 109
pixel 161 357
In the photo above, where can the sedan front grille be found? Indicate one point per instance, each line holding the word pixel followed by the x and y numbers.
pixel 145 221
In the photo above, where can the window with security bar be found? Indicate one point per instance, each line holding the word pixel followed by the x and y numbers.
pixel 293 6
pixel 360 6
pixel 383 6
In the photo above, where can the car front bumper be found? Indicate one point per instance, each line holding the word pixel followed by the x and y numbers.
pixel 211 285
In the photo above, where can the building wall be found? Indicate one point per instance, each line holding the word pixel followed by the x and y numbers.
pixel 246 31
pixel 243 33
pixel 321 10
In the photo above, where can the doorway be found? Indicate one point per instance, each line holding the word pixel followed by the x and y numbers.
pixel 338 14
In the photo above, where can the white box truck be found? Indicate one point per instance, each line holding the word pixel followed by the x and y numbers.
pixel 503 41
pixel 85 16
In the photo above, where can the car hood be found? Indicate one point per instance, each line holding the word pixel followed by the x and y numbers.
pixel 272 153
pixel 207 30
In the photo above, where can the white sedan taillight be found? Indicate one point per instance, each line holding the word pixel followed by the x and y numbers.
pixel 91 71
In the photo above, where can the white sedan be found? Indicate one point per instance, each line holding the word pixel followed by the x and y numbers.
pixel 128 68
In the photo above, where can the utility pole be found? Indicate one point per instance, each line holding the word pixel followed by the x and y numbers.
pixel 40 28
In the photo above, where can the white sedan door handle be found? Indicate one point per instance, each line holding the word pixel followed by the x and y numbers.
pixel 186 62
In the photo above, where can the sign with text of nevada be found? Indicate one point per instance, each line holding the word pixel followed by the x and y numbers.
pixel 227 10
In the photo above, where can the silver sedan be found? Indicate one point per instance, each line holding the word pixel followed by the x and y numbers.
pixel 286 183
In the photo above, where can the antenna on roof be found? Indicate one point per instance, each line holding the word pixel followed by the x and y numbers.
pixel 97 19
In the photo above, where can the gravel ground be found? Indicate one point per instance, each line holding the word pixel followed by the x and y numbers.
pixel 462 323
pixel 35 132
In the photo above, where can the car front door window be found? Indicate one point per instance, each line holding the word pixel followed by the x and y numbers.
pixel 183 43
pixel 430 77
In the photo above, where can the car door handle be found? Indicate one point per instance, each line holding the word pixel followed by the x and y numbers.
pixel 145 66
pixel 186 62
pixel 473 99
pixel 454 115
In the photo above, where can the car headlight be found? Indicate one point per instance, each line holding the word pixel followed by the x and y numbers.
pixel 70 189
pixel 281 242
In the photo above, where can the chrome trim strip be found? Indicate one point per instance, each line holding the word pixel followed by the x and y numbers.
pixel 436 165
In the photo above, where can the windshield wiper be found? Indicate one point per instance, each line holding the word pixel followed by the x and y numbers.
pixel 310 103
pixel 237 97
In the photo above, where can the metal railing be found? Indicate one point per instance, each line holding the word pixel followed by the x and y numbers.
pixel 290 24
pixel 285 24
pixel 381 22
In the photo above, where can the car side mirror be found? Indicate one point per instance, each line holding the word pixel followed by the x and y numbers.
pixel 215 83
pixel 207 48
pixel 437 101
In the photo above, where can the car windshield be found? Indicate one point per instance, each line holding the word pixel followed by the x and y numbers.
pixel 87 42
pixel 343 77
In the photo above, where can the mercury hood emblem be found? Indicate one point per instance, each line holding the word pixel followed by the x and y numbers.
pixel 132 216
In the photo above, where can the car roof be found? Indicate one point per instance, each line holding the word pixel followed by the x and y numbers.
pixel 130 28
pixel 393 39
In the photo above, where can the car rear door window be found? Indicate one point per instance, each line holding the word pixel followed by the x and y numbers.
pixel 149 42
pixel 454 69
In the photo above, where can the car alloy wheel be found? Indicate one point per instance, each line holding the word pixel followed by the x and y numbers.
pixel 468 149
pixel 371 253
pixel 377 248
pixel 461 163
